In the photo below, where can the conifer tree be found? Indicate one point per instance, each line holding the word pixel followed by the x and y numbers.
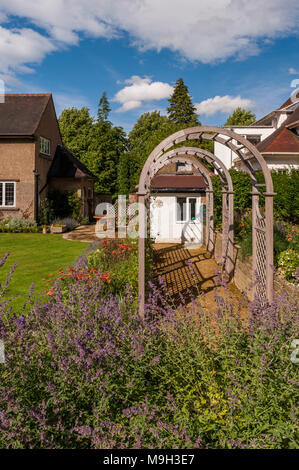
pixel 103 108
pixel 181 109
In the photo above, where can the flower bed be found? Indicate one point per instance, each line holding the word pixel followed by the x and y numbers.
pixel 83 371
pixel 119 257
pixel 17 225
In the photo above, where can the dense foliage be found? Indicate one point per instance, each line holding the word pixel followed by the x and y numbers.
pixel 18 225
pixel 65 204
pixel 286 200
pixel 97 143
pixel 181 109
pixel 119 258
pixel 240 117
pixel 288 262
pixel 84 371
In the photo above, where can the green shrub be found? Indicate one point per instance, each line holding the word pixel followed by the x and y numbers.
pixel 84 371
pixel 119 258
pixel 17 225
pixel 288 264
pixel 66 204
pixel 46 212
pixel 284 237
pixel 69 222
pixel 286 201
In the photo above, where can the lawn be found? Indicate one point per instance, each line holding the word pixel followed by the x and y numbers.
pixel 37 255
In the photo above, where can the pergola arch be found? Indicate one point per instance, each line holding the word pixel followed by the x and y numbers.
pixel 227 200
pixel 262 231
pixel 183 158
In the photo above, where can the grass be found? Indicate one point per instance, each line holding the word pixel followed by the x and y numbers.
pixel 37 255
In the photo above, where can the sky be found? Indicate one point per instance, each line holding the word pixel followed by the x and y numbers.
pixel 229 53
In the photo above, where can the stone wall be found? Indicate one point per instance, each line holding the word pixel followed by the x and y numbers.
pixel 243 273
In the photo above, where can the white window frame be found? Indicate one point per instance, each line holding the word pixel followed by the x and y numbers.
pixel 188 215
pixel 47 143
pixel 182 167
pixel 2 203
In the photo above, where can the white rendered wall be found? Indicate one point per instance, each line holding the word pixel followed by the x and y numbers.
pixel 164 226
pixel 227 155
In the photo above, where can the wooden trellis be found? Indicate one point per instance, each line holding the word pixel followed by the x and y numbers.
pixel 262 226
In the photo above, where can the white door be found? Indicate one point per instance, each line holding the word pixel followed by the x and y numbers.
pixel 188 219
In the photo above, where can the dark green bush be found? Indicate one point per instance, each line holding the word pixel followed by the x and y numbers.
pixel 286 201
pixel 66 204
pixel 46 212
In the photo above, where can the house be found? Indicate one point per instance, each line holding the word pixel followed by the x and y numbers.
pixel 33 160
pixel 276 136
pixel 177 205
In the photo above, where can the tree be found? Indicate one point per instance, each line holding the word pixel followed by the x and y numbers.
pixel 123 174
pixel 98 144
pixel 241 117
pixel 75 127
pixel 146 134
pixel 103 108
pixel 107 144
pixel 181 109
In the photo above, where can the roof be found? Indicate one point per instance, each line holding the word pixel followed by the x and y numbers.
pixel 283 139
pixel 267 119
pixel 288 102
pixel 20 114
pixel 292 120
pixel 66 165
pixel 166 183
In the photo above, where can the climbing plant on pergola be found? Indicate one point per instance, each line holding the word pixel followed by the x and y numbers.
pixel 262 225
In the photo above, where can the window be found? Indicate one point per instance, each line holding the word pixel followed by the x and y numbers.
pixel 253 139
pixel 183 167
pixel 192 208
pixel 45 146
pixel 181 209
pixel 7 194
pixel 185 209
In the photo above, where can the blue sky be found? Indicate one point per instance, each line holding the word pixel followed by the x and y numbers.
pixel 229 53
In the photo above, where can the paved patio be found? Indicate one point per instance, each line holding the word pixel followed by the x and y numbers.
pixel 199 279
pixel 84 233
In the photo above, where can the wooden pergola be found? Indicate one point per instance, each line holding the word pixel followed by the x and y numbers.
pixel 262 225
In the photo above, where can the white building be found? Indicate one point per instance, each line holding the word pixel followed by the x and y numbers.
pixel 178 190
pixel 276 136
pixel 178 206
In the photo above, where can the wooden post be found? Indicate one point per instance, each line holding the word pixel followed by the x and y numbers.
pixel 230 262
pixel 224 227
pixel 210 220
pixel 255 203
pixel 269 246
pixel 141 252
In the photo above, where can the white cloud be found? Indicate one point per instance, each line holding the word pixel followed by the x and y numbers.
pixel 139 90
pixel 20 47
pixel 197 30
pixel 223 104
pixel 293 71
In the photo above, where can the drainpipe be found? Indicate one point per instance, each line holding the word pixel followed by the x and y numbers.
pixel 36 176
